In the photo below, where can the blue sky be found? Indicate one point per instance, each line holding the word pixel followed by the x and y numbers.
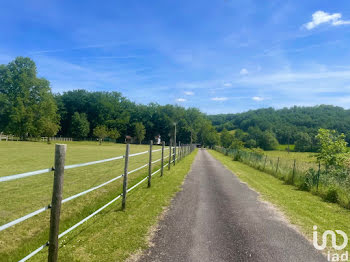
pixel 220 56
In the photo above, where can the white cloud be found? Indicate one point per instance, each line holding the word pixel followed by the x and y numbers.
pixel 257 98
pixel 181 100
pixel 227 84
pixel 189 93
pixel 321 17
pixel 219 98
pixel 292 77
pixel 244 71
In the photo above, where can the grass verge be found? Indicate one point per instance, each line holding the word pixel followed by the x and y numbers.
pixel 113 235
pixel 301 208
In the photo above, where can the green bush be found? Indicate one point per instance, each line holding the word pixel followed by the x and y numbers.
pixel 331 195
pixel 310 180
pixel 237 156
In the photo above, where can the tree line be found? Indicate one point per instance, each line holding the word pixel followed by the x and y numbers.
pixel 28 108
pixel 295 125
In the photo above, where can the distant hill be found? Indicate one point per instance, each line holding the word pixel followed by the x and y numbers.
pixel 286 123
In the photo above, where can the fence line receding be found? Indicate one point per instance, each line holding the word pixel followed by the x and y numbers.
pixel 57 200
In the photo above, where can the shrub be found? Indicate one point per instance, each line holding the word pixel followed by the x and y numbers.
pixel 310 180
pixel 237 156
pixel 331 195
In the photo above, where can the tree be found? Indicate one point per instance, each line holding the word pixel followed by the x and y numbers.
pixel 114 134
pixel 211 138
pixel 49 129
pixel 48 124
pixel 193 118
pixel 101 132
pixel 80 125
pixel 240 134
pixel 237 144
pixel 140 131
pixel 333 148
pixel 226 138
pixel 208 135
pixel 255 133
pixel 114 111
pixel 27 103
pixel 251 143
pixel 268 141
pixel 4 111
pixel 101 108
pixel 303 142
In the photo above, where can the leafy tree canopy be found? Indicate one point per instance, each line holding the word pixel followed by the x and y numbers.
pixel 333 148
pixel 80 126
pixel 288 123
pixel 27 106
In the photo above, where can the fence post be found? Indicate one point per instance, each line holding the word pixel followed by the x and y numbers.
pixel 174 153
pixel 169 160
pixel 318 174
pixel 180 148
pixel 125 179
pixel 150 164
pixel 162 161
pixel 182 151
pixel 278 161
pixel 60 155
pixel 293 172
pixel 179 151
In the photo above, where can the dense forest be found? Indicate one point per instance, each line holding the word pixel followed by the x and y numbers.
pixel 28 108
pixel 295 125
pixel 115 112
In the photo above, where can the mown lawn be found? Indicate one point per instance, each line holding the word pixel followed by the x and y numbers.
pixel 22 196
pixel 302 209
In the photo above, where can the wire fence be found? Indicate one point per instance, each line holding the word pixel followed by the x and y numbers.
pixel 175 154
pixel 332 186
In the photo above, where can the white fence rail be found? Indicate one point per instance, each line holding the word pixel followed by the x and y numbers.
pixel 6 137
pixel 47 170
pixel 64 139
pixel 182 151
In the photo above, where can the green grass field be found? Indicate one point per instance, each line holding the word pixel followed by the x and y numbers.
pixel 301 208
pixel 22 196
pixel 285 147
pixel 299 156
pixel 304 160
